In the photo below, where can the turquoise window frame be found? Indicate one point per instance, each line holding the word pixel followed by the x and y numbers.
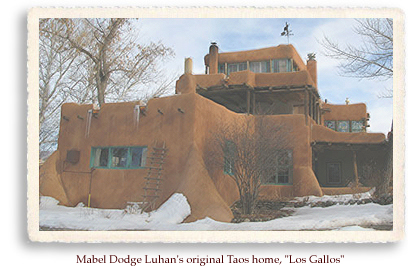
pixel 240 67
pixel 110 156
pixel 353 123
pixel 229 163
pixel 221 68
pixel 326 124
pixel 345 122
pixel 263 63
pixel 276 175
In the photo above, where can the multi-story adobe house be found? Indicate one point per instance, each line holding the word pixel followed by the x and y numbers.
pixel 130 152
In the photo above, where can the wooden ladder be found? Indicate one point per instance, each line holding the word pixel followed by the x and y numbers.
pixel 154 177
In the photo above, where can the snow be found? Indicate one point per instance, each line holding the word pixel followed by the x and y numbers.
pixel 171 214
pixel 340 199
pixel 52 215
pixel 308 218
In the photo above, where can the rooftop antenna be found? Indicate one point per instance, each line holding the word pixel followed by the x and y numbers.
pixel 286 31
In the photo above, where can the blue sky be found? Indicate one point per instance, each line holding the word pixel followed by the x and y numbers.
pixel 192 38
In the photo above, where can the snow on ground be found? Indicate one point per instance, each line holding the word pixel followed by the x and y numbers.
pixel 308 218
pixel 52 215
pixel 171 214
pixel 340 199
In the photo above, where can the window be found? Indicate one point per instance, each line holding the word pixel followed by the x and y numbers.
pixel 234 67
pixel 100 157
pixel 229 157
pixel 281 65
pixel 119 157
pixel 284 165
pixel 357 126
pixel 221 68
pixel 259 67
pixel 333 173
pixel 343 126
pixel 138 156
pixel 231 67
pixel 281 171
pixel 330 124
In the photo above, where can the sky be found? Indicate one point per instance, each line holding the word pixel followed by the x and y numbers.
pixel 192 38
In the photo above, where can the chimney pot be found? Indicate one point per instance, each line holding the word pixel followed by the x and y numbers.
pixel 188 66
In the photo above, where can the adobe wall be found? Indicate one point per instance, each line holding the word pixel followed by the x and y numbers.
pixel 50 183
pixel 188 83
pixel 356 111
pixel 278 52
pixel 210 115
pixel 298 137
pixel 185 134
pixel 282 79
pixel 323 134
pixel 115 126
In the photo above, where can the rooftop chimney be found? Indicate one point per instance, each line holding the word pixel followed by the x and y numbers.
pixel 213 58
pixel 188 66
pixel 312 66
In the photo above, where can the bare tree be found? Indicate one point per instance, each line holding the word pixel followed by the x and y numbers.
pixel 55 65
pixel 249 152
pixel 95 61
pixel 119 66
pixel 373 59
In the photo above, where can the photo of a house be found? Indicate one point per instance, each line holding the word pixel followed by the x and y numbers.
pixel 134 153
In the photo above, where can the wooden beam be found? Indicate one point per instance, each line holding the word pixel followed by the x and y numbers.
pixel 248 101
pixel 355 168
pixel 253 103
pixel 306 103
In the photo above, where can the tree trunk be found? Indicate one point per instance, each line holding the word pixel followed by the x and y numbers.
pixel 101 85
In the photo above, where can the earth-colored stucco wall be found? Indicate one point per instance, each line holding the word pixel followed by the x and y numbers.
pixel 356 112
pixel 278 52
pixel 188 83
pixel 185 122
pixel 185 135
pixel 115 126
pixel 50 180
pixel 323 134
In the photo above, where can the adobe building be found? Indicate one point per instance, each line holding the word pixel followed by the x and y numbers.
pixel 128 152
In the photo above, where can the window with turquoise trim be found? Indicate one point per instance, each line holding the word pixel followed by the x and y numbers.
pixel 343 126
pixel 100 157
pixel 229 157
pixel 280 172
pixel 221 68
pixel 118 157
pixel 259 67
pixel 357 126
pixel 138 156
pixel 330 124
pixel 234 67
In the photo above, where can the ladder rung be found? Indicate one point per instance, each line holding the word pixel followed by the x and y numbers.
pixel 151 196
pixel 151 188
pixel 161 154
pixel 152 178
pixel 155 168
pixel 156 162
pixel 158 148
